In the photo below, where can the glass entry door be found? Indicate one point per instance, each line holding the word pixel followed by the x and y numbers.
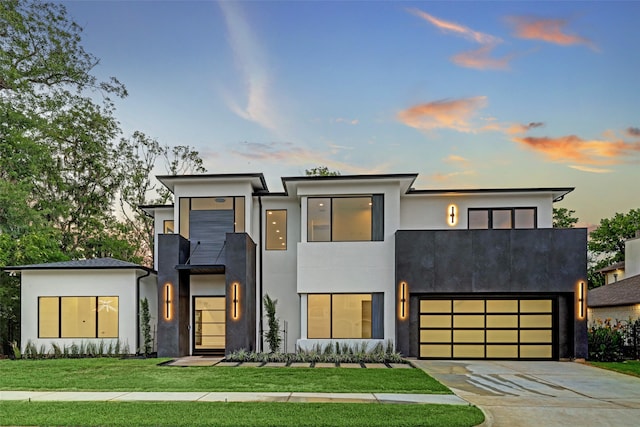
pixel 209 324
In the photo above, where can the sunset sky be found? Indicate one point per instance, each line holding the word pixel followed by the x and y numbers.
pixel 467 94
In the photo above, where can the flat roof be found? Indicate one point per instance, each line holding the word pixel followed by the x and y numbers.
pixel 82 264
pixel 558 192
pixel 257 179
pixel 408 179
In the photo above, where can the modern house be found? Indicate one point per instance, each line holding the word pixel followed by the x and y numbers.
pixel 619 299
pixel 467 273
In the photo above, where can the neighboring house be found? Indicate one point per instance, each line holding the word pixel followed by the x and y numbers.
pixel 613 272
pixel 84 301
pixel 366 259
pixel 620 299
pixel 442 273
pixel 617 301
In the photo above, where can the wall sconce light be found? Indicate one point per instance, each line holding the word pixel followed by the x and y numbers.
pixel 403 299
pixel 452 214
pixel 235 290
pixel 581 301
pixel 168 301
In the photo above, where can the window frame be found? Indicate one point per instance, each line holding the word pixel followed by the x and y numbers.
pixel 331 296
pixel 189 208
pixel 375 235
pixel 512 210
pixel 97 317
pixel 268 227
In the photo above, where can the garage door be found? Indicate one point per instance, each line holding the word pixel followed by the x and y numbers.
pixel 492 328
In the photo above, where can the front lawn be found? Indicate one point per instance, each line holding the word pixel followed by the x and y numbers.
pixel 237 414
pixel 106 374
pixel 630 367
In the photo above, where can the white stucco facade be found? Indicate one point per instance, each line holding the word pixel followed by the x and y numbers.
pixel 120 283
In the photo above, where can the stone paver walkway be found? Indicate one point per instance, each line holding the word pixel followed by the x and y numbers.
pixel 219 361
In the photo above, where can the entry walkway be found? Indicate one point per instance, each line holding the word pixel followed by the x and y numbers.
pixel 537 394
pixel 124 396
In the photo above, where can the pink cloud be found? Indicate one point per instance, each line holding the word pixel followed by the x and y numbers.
pixel 548 30
pixel 444 114
pixel 457 29
pixel 572 148
pixel 481 59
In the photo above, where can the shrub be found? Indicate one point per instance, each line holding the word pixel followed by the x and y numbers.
pixel 332 352
pixel 145 324
pixel 606 341
pixel 273 334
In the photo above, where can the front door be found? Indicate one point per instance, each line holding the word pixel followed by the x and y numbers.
pixel 209 325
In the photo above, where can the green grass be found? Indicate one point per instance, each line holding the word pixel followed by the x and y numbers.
pixel 236 414
pixel 105 374
pixel 630 367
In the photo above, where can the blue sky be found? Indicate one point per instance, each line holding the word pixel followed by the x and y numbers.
pixel 467 94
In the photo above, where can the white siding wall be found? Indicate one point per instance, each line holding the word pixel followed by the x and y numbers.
pixel 621 313
pixel 120 283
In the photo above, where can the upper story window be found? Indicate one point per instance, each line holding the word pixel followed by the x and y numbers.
pixel 219 210
pixel 276 230
pixel 502 218
pixel 167 226
pixel 345 219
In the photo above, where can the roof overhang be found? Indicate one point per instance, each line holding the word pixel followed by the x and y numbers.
pixel 556 193
pixel 291 184
pixel 258 183
pixel 150 210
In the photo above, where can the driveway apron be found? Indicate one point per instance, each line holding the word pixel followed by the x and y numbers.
pixel 542 393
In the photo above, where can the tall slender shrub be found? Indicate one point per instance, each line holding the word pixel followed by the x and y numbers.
pixel 273 334
pixel 145 325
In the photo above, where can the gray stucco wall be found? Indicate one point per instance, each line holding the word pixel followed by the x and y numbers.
pixel 540 261
pixel 241 269
pixel 173 334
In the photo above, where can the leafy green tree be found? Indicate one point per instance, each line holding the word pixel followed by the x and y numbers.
pixel 563 218
pixel 57 157
pixel 606 243
pixel 56 135
pixel 321 171
pixel 140 157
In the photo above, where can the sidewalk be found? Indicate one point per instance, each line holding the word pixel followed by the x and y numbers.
pixel 127 396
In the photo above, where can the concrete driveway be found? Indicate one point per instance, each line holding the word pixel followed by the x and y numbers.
pixel 542 393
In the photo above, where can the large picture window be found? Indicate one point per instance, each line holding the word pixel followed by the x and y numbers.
pixel 276 230
pixel 502 218
pixel 78 317
pixel 231 204
pixel 344 315
pixel 345 219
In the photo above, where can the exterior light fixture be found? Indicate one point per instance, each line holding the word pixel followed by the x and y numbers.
pixel 168 301
pixel 235 291
pixel 452 215
pixel 581 301
pixel 403 299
